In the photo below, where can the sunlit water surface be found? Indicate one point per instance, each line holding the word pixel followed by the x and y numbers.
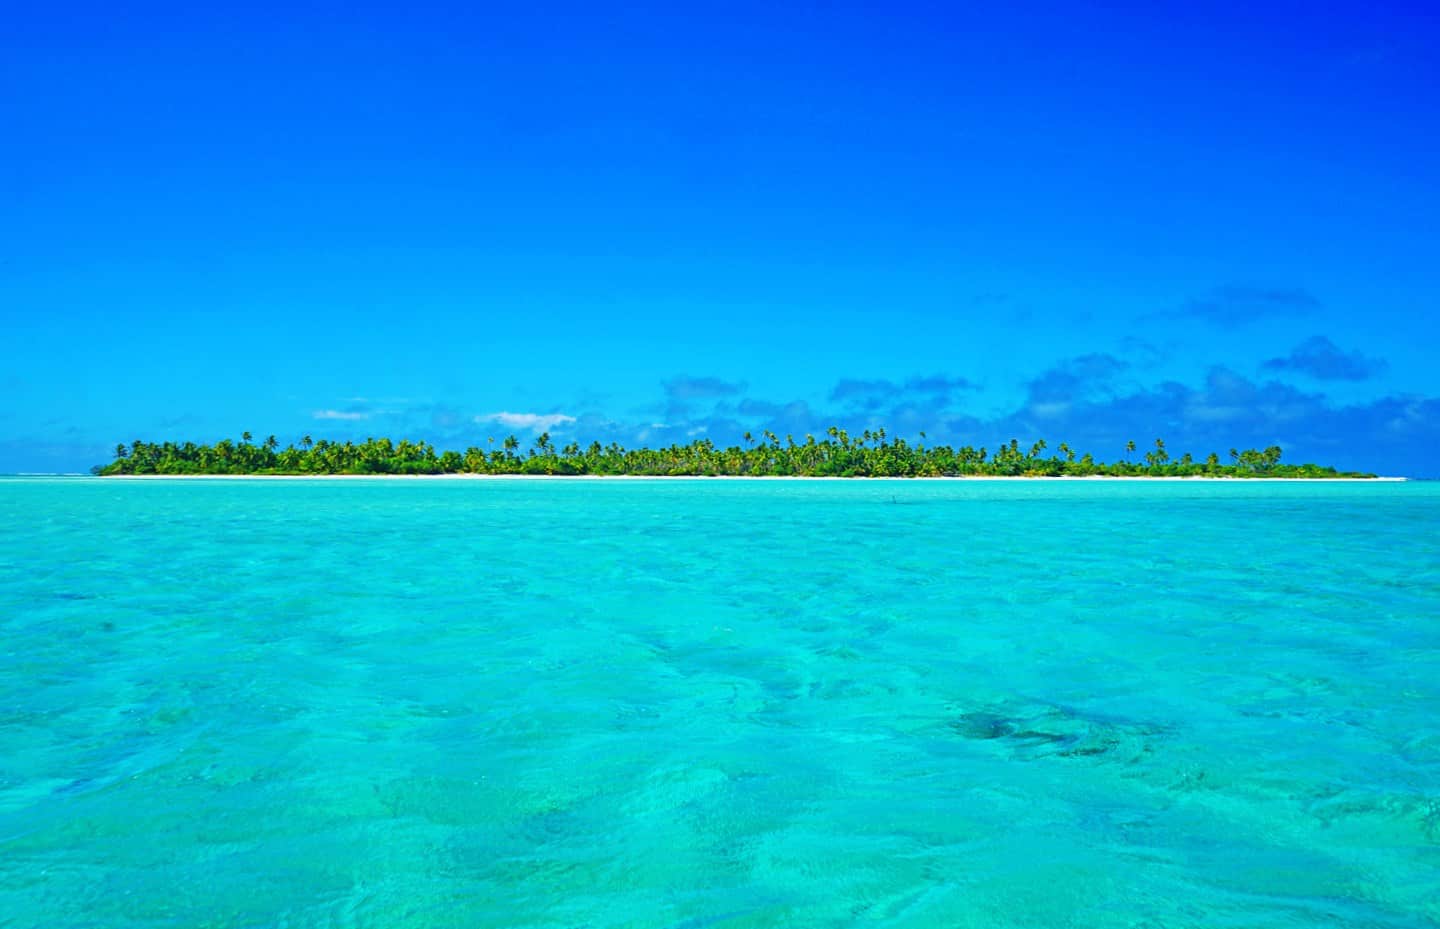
pixel 728 704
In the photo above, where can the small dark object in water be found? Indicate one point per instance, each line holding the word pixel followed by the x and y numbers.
pixel 983 726
pixel 1057 732
pixel 108 626
pixel 1043 738
pixel 67 595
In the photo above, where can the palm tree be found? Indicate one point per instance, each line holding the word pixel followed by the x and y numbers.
pixel 245 437
pixel 701 456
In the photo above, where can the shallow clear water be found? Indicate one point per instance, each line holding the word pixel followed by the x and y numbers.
pixel 709 703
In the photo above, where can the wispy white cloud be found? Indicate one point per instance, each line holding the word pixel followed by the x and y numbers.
pixel 535 421
pixel 701 388
pixel 1237 304
pixel 1323 360
pixel 339 414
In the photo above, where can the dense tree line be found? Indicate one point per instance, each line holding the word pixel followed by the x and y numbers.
pixel 838 454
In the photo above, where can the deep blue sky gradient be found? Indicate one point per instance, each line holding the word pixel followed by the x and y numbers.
pixel 1215 225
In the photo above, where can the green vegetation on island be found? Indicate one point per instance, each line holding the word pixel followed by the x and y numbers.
pixel 839 454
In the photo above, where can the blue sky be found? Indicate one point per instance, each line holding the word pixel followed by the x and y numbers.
pixel 1213 225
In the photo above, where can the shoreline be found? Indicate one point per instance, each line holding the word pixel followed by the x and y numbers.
pixel 724 477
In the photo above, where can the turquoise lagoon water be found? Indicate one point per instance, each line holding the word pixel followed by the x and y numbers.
pixel 718 704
